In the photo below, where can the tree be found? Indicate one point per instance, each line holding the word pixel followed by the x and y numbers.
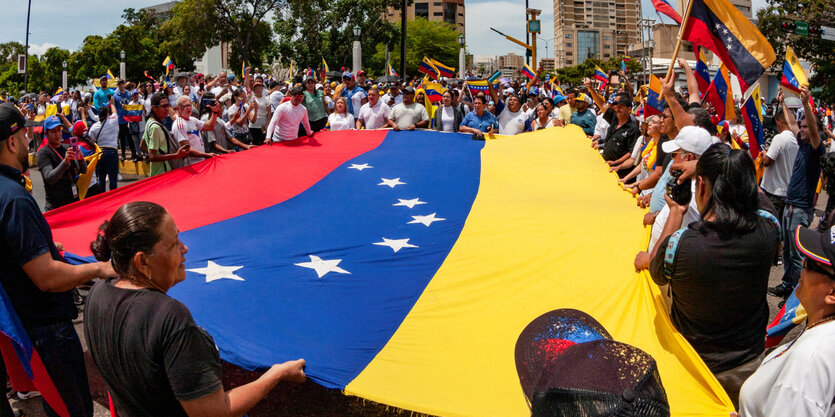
pixel 208 22
pixel 816 51
pixel 436 40
pixel 573 76
pixel 309 30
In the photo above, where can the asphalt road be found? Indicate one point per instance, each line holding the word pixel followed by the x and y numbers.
pixel 307 399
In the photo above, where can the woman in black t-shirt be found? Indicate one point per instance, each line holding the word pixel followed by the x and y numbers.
pixel 155 361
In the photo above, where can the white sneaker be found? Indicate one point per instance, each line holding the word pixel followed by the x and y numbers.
pixel 28 394
pixel 119 177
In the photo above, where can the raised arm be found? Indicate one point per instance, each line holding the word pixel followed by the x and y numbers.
pixel 692 84
pixel 791 121
pixel 680 115
pixel 811 120
pixel 598 99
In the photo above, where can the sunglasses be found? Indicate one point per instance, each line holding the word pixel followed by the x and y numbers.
pixel 815 267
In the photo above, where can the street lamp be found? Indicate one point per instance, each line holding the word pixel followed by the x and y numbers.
pixel 64 76
pixel 122 65
pixel 462 59
pixel 357 50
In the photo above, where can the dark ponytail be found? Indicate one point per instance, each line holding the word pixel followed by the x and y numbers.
pixel 134 228
pixel 734 196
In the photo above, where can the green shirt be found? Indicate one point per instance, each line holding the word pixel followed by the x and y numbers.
pixel 314 105
pixel 155 139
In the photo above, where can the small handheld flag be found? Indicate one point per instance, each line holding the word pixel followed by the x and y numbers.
pixel 752 113
pixel 428 68
pixel 702 71
pixel 59 91
pixel 527 71
pixel 325 65
pixel 444 70
pixel 664 6
pixel 390 70
pixel 719 94
pixel 720 27
pixel 110 75
pixel 655 101
pixel 168 64
pixel 148 75
pixel 599 75
pixel 794 76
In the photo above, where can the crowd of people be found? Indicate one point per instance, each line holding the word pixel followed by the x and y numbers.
pixel 719 218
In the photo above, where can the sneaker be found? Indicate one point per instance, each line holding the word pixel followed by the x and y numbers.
pixel 119 177
pixel 25 395
pixel 781 290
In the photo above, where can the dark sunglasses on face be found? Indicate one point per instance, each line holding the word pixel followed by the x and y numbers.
pixel 815 267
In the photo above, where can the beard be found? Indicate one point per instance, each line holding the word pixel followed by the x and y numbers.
pixel 23 158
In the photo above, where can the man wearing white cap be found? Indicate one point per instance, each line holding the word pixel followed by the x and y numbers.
pixel 689 145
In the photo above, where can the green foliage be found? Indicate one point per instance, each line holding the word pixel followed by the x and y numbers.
pixel 817 51
pixel 309 30
pixel 436 40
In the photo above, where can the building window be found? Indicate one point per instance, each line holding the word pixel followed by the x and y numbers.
pixel 588 45
pixel 437 3
pixel 605 55
pixel 450 9
pixel 438 14
pixel 606 37
pixel 568 36
pixel 422 10
pixel 569 45
pixel 607 46
pixel 569 53
pixel 569 62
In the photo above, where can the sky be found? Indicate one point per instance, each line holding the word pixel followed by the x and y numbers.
pixel 55 24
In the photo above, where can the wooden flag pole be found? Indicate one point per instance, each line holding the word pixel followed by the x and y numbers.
pixel 678 42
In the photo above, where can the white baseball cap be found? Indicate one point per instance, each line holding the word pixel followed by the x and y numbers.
pixel 691 139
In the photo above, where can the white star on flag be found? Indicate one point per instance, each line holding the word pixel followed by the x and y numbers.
pixel 322 266
pixel 214 272
pixel 359 167
pixel 426 220
pixel 395 244
pixel 391 183
pixel 409 203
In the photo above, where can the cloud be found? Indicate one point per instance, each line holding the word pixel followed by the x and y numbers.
pixel 40 49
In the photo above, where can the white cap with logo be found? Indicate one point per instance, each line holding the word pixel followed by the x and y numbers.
pixel 691 139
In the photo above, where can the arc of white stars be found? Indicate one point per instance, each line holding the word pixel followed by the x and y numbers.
pixel 391 182
pixel 426 220
pixel 409 203
pixel 360 167
pixel 395 244
pixel 322 266
pixel 214 272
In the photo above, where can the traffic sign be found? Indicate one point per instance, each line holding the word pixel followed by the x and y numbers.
pixel 533 26
pixel 801 28
pixel 828 33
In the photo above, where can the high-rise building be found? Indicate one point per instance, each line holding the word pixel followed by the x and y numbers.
pixel 594 29
pixel 449 11
pixel 547 64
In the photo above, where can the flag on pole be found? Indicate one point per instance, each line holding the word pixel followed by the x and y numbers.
pixel 794 76
pixel 148 75
pixel 428 68
pixel 655 101
pixel 110 75
pixel 527 71
pixel 244 69
pixel 664 6
pixel 325 65
pixel 719 94
pixel 390 70
pixel 599 75
pixel 444 70
pixel 480 86
pixel 718 25
pixel 702 71
pixel 168 64
pixel 753 115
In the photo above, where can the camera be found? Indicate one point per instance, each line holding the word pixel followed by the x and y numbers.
pixel 208 102
pixel 680 193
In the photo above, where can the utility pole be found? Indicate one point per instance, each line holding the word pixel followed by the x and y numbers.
pixel 26 72
pixel 402 40
pixel 527 35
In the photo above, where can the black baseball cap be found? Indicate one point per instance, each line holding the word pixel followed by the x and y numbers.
pixel 296 91
pixel 11 120
pixel 820 247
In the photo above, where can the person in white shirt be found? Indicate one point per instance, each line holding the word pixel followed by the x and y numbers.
pixel 447 117
pixel 408 115
pixel 511 117
pixel 340 119
pixel 258 119
pixel 796 378
pixel 186 129
pixel 373 115
pixel 105 133
pixel 284 124
pixel 393 97
pixel 275 94
pixel 779 162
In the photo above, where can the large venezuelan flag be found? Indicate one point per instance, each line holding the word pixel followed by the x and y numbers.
pixel 404 265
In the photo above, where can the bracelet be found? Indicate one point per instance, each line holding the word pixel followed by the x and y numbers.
pixel 638 186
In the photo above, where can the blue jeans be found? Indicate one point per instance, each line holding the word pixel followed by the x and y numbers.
pixel 108 167
pixel 792 258
pixel 62 355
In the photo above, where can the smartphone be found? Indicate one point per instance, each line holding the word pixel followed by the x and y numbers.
pixel 202 85
pixel 74 144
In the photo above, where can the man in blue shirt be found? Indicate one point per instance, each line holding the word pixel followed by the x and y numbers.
pixel 36 278
pixel 800 197
pixel 479 121
pixel 122 98
pixel 354 95
pixel 102 97
pixel 584 117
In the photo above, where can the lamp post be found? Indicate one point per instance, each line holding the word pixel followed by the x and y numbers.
pixel 462 59
pixel 122 65
pixel 64 76
pixel 357 63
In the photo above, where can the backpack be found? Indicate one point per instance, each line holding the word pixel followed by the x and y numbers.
pixel 172 144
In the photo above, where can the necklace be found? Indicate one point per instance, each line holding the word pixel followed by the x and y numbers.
pixel 825 319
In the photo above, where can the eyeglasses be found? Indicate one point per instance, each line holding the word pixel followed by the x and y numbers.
pixel 815 267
